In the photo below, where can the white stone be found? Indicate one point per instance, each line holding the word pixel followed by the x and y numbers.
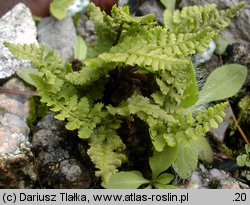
pixel 16 26
pixel 77 7
pixel 206 56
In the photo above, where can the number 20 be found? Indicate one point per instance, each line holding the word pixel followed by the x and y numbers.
pixel 240 197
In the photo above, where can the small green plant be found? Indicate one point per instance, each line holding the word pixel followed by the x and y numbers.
pixel 139 70
pixel 134 179
pixel 244 161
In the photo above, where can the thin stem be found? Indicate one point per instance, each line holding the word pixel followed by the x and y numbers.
pixel 19 92
pixel 238 127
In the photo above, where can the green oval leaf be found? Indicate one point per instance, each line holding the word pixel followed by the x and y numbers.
pixel 161 161
pixel 187 158
pixel 222 83
pixel 126 180
pixel 27 73
pixel 58 8
pixel 205 151
pixel 80 48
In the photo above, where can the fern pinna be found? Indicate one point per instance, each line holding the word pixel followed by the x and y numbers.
pixel 141 53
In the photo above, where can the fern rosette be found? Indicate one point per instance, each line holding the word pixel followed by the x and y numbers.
pixel 139 53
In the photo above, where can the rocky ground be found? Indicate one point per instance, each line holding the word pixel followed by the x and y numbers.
pixel 48 156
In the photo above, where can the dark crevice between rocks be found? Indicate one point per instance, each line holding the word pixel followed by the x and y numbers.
pixel 58 161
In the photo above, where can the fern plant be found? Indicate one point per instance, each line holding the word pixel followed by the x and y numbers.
pixel 134 179
pixel 136 70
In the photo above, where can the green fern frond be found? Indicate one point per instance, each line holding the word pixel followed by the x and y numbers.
pixel 178 86
pixel 108 27
pixel 212 116
pixel 176 44
pixel 88 75
pixel 159 41
pixel 81 116
pixel 159 134
pixel 106 152
pixel 106 37
pixel 122 15
pixel 63 100
pixel 196 18
pixel 146 50
pixel 41 56
pixel 189 131
pixel 142 107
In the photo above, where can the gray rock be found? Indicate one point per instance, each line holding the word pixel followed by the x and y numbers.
pixel 17 104
pixel 57 158
pixel 60 35
pixel 223 180
pixel 239 29
pixel 206 56
pixel 152 7
pixel 16 26
pixel 16 158
pixel 15 124
pixel 204 178
pixel 86 28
